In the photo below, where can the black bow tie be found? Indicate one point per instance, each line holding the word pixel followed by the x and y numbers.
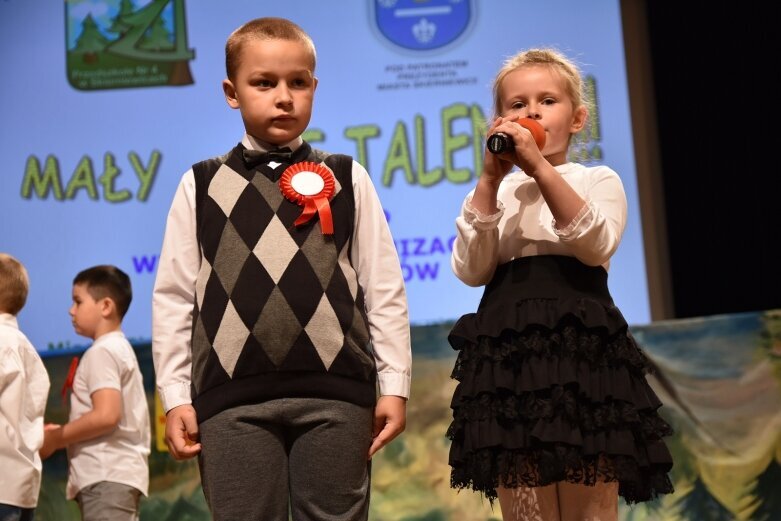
pixel 253 158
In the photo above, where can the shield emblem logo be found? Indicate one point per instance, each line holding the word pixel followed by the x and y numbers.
pixel 423 25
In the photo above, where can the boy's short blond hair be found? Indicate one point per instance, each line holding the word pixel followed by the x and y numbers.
pixel 269 28
pixel 14 284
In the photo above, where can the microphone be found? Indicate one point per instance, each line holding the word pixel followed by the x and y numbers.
pixel 500 142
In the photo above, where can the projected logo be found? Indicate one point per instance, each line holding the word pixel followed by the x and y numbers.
pixel 114 44
pixel 423 25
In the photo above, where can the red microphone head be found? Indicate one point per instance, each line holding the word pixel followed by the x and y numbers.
pixel 500 142
pixel 538 133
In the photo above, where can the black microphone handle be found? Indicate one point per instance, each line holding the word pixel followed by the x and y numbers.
pixel 499 143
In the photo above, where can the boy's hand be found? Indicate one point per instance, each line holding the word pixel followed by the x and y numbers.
pixel 181 432
pixel 390 419
pixel 52 436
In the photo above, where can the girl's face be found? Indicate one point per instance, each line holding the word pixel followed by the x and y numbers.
pixel 539 92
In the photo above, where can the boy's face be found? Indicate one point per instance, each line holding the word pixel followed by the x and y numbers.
pixel 85 312
pixel 273 88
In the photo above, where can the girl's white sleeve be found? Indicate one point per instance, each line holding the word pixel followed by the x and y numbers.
pixel 595 233
pixel 475 250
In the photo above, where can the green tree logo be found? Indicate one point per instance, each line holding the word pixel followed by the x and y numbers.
pixel 125 43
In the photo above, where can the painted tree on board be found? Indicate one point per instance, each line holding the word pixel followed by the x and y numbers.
pixel 771 338
pixel 118 24
pixel 765 494
pixel 648 510
pixel 157 37
pixel 700 505
pixel 146 38
pixel 91 41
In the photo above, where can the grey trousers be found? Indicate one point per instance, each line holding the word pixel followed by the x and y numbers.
pixel 109 501
pixel 305 453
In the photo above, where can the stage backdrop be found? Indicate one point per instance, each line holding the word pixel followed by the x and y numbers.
pixel 719 377
pixel 107 103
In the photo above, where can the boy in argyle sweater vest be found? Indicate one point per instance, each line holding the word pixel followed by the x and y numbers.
pixel 279 306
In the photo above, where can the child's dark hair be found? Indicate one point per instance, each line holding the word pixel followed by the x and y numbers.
pixel 107 281
pixel 14 285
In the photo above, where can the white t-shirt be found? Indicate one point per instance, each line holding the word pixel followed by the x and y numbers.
pixel 24 387
pixel 121 455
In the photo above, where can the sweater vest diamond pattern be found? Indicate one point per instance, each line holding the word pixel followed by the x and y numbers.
pixel 278 311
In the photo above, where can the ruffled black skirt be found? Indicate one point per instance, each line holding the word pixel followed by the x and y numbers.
pixel 552 387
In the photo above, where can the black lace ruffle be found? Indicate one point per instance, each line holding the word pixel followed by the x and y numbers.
pixel 486 469
pixel 554 400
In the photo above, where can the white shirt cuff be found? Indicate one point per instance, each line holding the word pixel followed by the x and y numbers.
pixel 394 384
pixel 175 395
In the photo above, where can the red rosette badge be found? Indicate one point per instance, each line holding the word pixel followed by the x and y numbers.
pixel 310 185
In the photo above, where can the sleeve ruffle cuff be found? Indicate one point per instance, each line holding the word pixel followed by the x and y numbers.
pixel 480 221
pixel 581 220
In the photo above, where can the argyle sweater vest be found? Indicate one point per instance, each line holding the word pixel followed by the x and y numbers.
pixel 279 312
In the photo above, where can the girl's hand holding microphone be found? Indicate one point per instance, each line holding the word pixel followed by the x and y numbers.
pixel 517 141
pixel 508 144
pixel 496 166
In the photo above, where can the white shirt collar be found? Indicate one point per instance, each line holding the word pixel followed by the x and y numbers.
pixel 253 143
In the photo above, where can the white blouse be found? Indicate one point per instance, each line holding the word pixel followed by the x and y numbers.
pixel 524 225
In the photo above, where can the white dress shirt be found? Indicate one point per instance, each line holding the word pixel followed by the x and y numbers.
pixel 121 455
pixel 524 225
pixel 373 256
pixel 24 388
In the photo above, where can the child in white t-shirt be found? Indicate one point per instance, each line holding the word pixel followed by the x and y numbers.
pixel 108 432
pixel 24 386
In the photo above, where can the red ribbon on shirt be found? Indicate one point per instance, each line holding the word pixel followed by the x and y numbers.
pixel 312 202
pixel 68 385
